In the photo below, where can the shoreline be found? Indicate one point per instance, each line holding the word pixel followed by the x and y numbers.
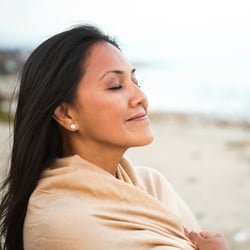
pixel 187 117
pixel 206 160
pixel 8 84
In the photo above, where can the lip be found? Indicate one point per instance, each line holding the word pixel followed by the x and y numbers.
pixel 138 117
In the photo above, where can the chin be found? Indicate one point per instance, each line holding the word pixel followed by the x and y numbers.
pixel 143 141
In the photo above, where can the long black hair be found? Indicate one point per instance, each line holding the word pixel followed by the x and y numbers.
pixel 49 77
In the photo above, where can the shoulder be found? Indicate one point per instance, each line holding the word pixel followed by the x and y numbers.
pixel 157 185
pixel 148 172
pixel 154 182
pixel 56 222
pixel 148 179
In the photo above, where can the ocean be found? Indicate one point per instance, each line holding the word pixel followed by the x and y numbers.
pixel 214 94
pixel 218 89
pixel 220 93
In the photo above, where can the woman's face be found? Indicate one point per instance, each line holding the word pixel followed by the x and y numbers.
pixel 110 109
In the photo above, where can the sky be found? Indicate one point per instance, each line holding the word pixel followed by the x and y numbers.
pixel 196 28
pixel 184 32
pixel 192 42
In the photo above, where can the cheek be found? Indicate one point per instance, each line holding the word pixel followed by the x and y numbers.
pixel 109 103
pixel 102 109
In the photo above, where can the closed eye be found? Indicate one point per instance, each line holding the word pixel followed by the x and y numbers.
pixel 116 87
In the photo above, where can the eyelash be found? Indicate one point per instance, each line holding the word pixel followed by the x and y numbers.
pixel 116 87
pixel 120 86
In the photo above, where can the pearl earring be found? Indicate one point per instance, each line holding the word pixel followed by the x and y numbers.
pixel 72 126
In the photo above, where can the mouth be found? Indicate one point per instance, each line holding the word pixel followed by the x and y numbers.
pixel 138 117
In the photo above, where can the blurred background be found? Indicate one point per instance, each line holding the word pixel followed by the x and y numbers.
pixel 198 52
pixel 193 62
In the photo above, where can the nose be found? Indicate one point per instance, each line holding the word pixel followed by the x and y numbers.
pixel 138 97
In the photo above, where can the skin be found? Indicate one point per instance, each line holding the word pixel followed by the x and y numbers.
pixel 109 111
pixel 208 241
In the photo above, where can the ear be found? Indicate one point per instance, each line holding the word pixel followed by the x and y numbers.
pixel 63 117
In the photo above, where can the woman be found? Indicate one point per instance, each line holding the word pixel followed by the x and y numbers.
pixel 69 187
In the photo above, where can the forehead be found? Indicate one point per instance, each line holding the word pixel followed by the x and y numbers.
pixel 103 57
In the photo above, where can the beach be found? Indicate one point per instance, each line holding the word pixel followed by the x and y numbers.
pixel 192 63
pixel 208 163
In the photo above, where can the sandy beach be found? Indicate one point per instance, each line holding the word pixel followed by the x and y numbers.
pixel 208 163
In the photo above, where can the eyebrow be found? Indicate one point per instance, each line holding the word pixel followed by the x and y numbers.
pixel 119 72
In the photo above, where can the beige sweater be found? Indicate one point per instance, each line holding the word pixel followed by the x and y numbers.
pixel 78 205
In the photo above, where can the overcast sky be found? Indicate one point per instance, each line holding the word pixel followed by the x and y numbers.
pixel 184 28
pixel 201 45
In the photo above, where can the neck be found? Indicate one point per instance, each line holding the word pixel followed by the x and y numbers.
pixel 108 163
pixel 105 157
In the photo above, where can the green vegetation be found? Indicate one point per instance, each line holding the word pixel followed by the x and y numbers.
pixel 4 116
